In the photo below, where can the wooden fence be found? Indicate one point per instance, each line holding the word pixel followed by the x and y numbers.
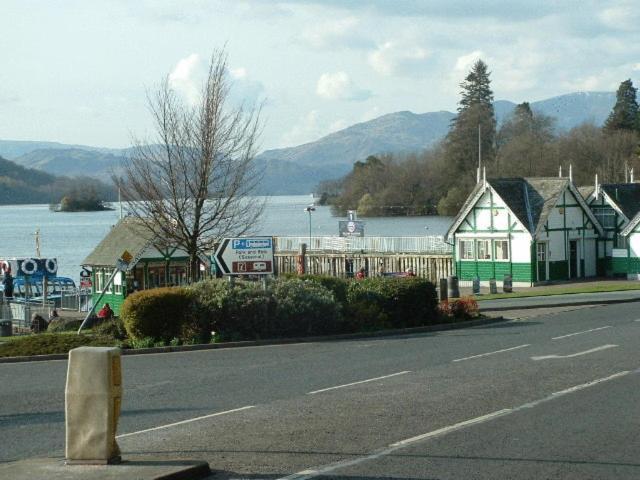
pixel 428 257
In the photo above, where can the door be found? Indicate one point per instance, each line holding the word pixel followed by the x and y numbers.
pixel 573 259
pixel 541 253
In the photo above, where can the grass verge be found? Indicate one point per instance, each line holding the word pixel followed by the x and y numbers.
pixel 50 343
pixel 559 290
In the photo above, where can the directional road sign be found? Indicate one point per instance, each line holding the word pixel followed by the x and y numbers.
pixel 245 256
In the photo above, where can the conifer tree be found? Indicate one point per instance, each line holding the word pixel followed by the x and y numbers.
pixel 475 116
pixel 625 113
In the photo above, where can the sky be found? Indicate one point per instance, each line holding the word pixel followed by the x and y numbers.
pixel 80 71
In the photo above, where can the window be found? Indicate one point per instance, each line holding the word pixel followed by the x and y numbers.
pixel 466 249
pixel 99 280
pixel 621 242
pixel 484 249
pixel 606 216
pixel 542 252
pixel 502 249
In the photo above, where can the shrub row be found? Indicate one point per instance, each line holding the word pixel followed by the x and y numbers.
pixel 288 307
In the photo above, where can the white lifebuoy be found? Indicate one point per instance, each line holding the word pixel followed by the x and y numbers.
pixel 51 265
pixel 29 266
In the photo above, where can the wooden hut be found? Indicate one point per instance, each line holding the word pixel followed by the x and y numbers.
pixel 533 229
pixel 154 263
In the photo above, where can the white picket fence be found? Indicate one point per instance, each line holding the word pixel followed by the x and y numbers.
pixel 433 245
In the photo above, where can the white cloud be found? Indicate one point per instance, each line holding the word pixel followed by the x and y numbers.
pixel 624 16
pixel 392 57
pixel 464 62
pixel 636 67
pixel 333 33
pixel 184 77
pixel 339 124
pixel 305 130
pixel 584 84
pixel 238 73
pixel 339 86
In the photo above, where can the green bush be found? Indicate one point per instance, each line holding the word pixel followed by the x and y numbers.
pixel 159 313
pixel 113 327
pixel 234 312
pixel 144 342
pixel 304 308
pixel 288 307
pixel 383 302
pixel 337 286
pixel 60 324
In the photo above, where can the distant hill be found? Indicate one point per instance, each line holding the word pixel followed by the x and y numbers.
pixel 72 162
pixel 20 185
pixel 298 169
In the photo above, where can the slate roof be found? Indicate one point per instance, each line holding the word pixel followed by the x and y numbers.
pixel 625 195
pixel 531 200
pixel 586 191
pixel 128 234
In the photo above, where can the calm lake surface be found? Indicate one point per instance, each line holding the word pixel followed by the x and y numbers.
pixel 70 237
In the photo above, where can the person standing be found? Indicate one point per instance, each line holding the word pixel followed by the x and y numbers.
pixel 7 283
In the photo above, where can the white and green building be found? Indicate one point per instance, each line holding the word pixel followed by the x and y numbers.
pixel 154 263
pixel 533 229
pixel 627 259
pixel 615 205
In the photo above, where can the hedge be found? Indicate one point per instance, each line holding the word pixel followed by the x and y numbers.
pixel 375 303
pixel 159 313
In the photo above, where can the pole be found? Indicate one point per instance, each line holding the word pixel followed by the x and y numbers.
pixel 309 228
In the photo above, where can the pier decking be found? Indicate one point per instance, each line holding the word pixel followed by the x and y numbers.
pixel 428 256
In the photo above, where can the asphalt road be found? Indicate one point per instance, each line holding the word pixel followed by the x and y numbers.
pixel 553 396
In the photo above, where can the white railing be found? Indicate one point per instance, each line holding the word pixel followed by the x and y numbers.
pixel 427 245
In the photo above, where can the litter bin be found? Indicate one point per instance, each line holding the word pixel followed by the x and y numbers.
pixel 6 328
pixel 493 288
pixel 454 290
pixel 507 285
pixel 476 285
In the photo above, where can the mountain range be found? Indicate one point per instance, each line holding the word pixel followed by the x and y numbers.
pixel 297 170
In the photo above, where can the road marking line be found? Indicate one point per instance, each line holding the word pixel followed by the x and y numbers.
pixel 451 428
pixel 324 469
pixel 580 333
pixel 190 420
pixel 357 383
pixel 491 353
pixel 586 352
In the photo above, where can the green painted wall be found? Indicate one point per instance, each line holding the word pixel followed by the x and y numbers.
pixel 115 301
pixel 467 270
pixel 622 266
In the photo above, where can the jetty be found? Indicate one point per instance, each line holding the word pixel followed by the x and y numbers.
pixel 427 256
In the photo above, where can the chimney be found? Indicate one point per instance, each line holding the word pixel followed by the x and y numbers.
pixel 570 173
pixel 560 172
pixel 596 191
pixel 484 176
pixel 631 173
pixel 478 175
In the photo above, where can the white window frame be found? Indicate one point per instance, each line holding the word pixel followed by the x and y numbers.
pixel 461 250
pixel 506 249
pixel 488 247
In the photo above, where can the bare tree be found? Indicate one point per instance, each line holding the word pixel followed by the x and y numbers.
pixel 192 184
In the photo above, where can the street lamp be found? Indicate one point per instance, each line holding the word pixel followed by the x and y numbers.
pixel 310 209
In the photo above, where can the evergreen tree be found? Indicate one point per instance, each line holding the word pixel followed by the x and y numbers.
pixel 475 113
pixel 625 113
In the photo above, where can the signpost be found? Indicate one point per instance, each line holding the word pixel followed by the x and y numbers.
pixel 245 256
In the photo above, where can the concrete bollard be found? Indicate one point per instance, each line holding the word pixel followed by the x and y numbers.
pixel 493 288
pixel 92 405
pixel 442 291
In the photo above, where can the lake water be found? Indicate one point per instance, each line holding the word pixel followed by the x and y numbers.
pixel 70 237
